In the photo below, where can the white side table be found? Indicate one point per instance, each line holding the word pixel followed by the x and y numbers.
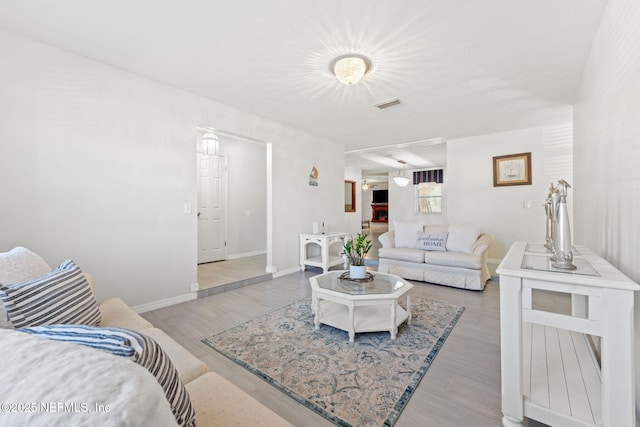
pixel 548 370
pixel 324 241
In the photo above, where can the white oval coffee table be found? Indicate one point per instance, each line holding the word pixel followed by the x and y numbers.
pixel 360 307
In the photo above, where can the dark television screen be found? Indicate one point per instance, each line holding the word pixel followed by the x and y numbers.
pixel 380 196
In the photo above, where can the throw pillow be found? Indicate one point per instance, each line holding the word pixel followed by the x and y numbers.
pixel 139 348
pixel 406 234
pixel 432 241
pixel 61 296
pixel 18 265
pixel 462 237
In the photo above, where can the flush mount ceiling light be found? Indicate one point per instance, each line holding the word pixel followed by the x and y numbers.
pixel 401 180
pixel 350 69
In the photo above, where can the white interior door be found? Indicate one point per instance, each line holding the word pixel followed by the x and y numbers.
pixel 212 208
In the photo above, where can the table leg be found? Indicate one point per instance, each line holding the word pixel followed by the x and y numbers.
pixel 324 251
pixel 408 309
pixel 316 309
pixel 352 327
pixel 303 253
pixel 511 350
pixel 394 327
pixel 618 394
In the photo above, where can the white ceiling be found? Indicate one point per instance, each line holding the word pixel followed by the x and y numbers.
pixel 377 162
pixel 459 67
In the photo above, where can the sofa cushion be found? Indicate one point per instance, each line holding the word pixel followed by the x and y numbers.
pixel 19 265
pixel 117 314
pixel 219 403
pixel 406 234
pixel 462 237
pixel 435 228
pixel 402 254
pixel 189 367
pixel 453 259
pixel 59 297
pixel 432 241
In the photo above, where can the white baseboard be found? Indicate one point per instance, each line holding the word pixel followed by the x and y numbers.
pixel 271 269
pixel 246 254
pixel 154 305
pixel 285 272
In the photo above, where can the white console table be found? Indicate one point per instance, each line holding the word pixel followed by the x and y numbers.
pixel 549 372
pixel 324 241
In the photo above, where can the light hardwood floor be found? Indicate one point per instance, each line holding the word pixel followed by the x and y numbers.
pixel 373 233
pixel 461 388
pixel 220 273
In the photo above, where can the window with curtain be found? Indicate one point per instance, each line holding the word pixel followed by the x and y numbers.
pixel 428 188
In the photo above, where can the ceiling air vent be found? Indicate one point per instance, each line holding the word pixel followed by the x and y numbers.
pixel 387 104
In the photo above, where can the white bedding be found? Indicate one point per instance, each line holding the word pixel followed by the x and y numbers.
pixel 49 383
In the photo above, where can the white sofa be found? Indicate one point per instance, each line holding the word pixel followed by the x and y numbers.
pixel 462 265
pixel 216 401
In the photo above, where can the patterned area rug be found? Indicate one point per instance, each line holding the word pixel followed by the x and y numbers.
pixel 366 383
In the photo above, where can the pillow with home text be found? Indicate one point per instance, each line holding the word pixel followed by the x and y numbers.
pixel 432 241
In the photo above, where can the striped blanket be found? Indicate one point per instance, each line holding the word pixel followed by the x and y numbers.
pixel 135 346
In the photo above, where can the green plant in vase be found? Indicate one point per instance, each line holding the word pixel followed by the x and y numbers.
pixel 356 249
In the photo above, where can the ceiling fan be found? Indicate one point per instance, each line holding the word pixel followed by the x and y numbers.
pixel 366 185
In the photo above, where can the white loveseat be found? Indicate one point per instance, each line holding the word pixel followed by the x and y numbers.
pixel 461 262
pixel 217 402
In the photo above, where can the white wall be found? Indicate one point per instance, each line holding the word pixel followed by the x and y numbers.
pixel 472 198
pixel 402 202
pixel 97 165
pixel 607 148
pixel 296 204
pixel 353 220
pixel 247 208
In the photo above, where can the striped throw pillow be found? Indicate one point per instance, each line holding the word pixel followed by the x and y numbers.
pixel 138 347
pixel 62 296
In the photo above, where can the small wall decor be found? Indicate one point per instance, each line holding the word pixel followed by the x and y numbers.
pixel 512 169
pixel 313 176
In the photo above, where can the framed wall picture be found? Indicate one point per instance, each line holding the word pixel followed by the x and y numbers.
pixel 512 169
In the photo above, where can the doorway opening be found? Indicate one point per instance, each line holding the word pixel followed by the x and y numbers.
pixel 232 210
